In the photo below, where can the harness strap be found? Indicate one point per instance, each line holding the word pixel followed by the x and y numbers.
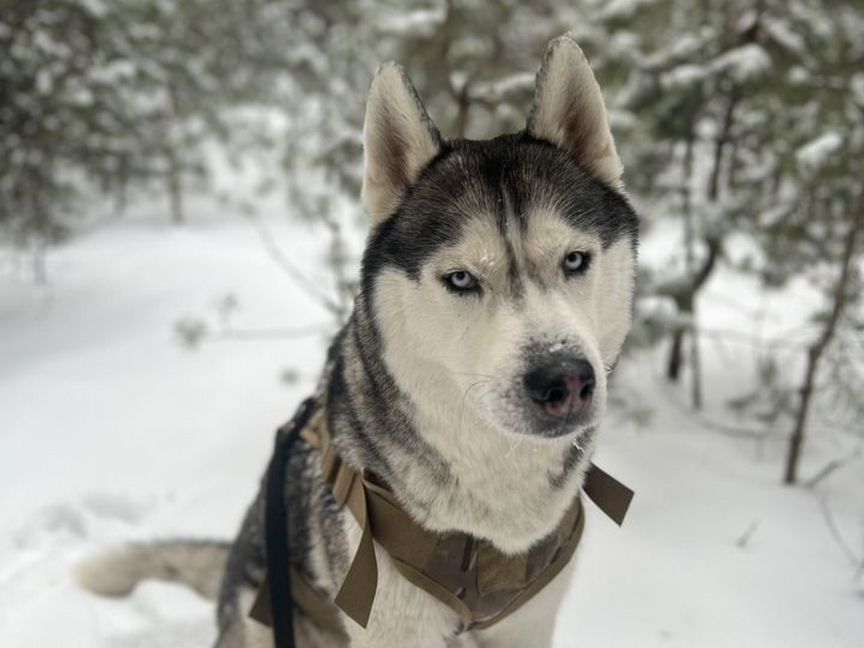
pixel 361 582
pixel 611 496
pixel 305 598
pixel 559 562
pixel 409 545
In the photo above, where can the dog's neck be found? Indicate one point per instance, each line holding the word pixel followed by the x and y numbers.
pixel 511 490
pixel 449 468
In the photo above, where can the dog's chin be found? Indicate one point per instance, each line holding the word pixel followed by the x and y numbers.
pixel 543 428
pixel 564 430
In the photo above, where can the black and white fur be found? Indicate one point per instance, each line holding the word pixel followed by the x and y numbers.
pixel 426 386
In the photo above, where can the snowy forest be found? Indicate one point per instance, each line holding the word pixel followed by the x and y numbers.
pixel 180 236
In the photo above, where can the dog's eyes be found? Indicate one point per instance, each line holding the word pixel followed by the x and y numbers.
pixel 576 262
pixel 461 281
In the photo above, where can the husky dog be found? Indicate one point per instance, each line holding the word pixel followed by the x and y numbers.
pixel 496 293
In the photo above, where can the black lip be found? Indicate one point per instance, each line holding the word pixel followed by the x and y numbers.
pixel 552 427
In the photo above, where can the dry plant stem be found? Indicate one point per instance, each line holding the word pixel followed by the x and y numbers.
pixel 830 467
pixel 266 334
pixel 817 349
pixel 837 536
pixel 299 279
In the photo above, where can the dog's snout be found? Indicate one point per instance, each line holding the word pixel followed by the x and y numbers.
pixel 562 388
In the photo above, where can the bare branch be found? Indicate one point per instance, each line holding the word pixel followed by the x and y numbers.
pixel 744 539
pixel 840 297
pixel 749 340
pixel 830 467
pixel 300 280
pixel 734 431
pixel 838 537
pixel 265 334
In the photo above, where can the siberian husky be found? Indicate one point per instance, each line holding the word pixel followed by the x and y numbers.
pixel 496 293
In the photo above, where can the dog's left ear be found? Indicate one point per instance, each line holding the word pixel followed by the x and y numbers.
pixel 569 111
pixel 399 140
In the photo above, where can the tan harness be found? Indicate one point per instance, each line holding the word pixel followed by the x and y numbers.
pixel 478 582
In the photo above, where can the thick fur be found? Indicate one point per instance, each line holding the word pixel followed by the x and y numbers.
pixel 195 564
pixel 425 385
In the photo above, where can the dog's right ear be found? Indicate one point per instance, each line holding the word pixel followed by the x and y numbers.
pixel 399 140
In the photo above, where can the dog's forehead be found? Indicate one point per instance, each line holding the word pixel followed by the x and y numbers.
pixel 518 178
pixel 488 239
pixel 506 183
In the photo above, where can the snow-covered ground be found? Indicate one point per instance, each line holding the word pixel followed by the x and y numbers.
pixel 112 430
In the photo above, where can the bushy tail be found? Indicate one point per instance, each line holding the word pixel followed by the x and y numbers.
pixel 196 564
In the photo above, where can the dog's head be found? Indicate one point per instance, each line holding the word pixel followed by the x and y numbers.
pixel 501 272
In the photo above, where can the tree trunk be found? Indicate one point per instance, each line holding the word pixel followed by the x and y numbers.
pixel 701 277
pixel 40 272
pixel 676 356
pixel 712 240
pixel 122 187
pixel 724 137
pixel 460 95
pixel 686 302
pixel 817 349
pixel 175 170
pixel 690 265
pixel 175 189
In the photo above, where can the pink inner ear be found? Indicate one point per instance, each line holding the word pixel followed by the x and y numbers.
pixel 399 139
pixel 391 149
pixel 570 112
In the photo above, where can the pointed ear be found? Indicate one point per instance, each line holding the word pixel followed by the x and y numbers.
pixel 399 140
pixel 569 111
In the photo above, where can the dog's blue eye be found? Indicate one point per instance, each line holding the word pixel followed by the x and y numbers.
pixel 461 281
pixel 576 262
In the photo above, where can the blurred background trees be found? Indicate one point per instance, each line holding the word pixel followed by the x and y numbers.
pixel 741 125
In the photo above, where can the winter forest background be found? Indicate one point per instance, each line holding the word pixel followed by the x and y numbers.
pixel 180 232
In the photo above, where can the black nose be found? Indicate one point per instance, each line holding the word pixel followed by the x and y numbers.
pixel 562 387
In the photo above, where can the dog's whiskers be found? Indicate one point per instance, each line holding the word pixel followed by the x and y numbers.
pixel 468 373
pixel 465 397
pixel 512 449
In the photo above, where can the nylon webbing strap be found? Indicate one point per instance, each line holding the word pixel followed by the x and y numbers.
pixel 559 562
pixel 611 496
pixel 317 607
pixel 358 589
pixel 382 520
pixel 409 544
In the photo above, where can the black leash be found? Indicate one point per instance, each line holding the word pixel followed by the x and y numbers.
pixel 277 529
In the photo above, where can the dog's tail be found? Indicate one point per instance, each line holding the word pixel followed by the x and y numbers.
pixel 197 564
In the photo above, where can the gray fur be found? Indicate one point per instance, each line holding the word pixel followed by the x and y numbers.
pixel 194 563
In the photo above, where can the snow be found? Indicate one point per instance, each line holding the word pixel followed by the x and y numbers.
pixel 506 86
pixel 683 76
pixel 817 153
pixel 620 9
pixel 419 23
pixel 856 83
pixel 113 431
pixel 785 35
pixel 743 64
